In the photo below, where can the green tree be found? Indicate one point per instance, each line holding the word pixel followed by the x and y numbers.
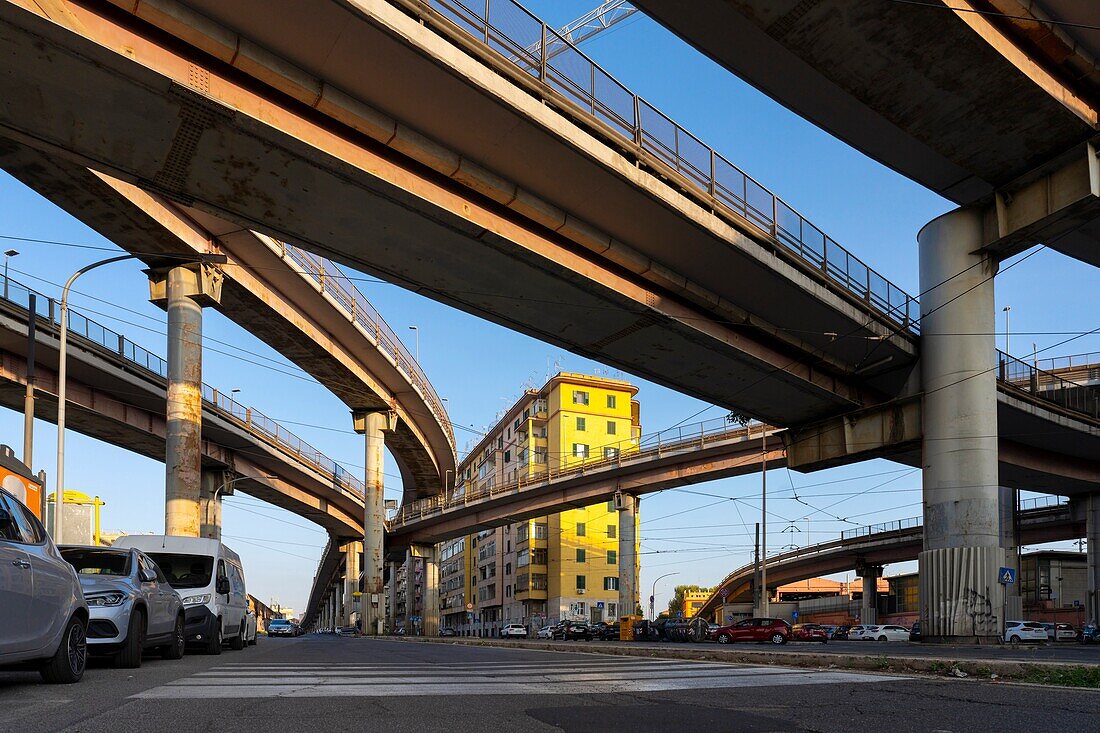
pixel 676 604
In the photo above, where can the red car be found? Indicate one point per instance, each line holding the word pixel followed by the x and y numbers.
pixel 774 630
pixel 809 632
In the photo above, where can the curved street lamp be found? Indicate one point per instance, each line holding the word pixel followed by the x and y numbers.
pixel 652 592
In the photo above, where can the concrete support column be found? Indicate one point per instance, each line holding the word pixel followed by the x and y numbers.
pixel 391 593
pixel 351 581
pixel 628 553
pixel 429 584
pixel 213 487
pixel 964 540
pixel 868 612
pixel 374 425
pixel 1092 534
pixel 183 445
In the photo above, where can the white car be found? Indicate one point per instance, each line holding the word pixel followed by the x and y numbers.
pixel 250 630
pixel 1059 631
pixel 546 632
pixel 1026 632
pixel 514 631
pixel 886 632
pixel 860 633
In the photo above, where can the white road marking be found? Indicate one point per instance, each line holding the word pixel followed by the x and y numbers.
pixel 549 677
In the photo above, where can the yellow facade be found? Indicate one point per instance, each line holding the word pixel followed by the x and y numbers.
pixel 565 565
pixel 693 601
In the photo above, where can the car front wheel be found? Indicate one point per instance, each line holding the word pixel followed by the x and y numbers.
pixel 214 643
pixel 67 665
pixel 176 649
pixel 130 655
pixel 237 642
pixel 778 639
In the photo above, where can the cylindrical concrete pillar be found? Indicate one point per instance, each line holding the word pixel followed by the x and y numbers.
pixel 429 589
pixel 964 540
pixel 1092 534
pixel 351 581
pixel 628 555
pixel 374 519
pixel 183 445
pixel 868 612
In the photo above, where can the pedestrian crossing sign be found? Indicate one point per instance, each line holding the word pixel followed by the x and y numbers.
pixel 1007 576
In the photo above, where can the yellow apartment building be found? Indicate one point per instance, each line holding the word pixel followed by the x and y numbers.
pixel 564 566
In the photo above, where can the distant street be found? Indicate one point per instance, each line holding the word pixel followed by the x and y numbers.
pixel 324 683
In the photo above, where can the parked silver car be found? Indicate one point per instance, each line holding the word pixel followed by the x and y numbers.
pixel 42 610
pixel 132 606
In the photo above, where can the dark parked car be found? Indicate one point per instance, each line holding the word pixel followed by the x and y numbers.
pixel 573 631
pixel 774 630
pixel 914 632
pixel 840 633
pixel 809 632
pixel 447 631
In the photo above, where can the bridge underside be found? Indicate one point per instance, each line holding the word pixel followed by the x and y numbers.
pixel 261 292
pixel 1003 101
pixel 269 163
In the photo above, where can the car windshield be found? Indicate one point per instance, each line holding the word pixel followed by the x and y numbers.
pixel 280 622
pixel 114 563
pixel 184 571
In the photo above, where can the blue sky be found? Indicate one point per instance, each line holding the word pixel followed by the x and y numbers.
pixel 869 209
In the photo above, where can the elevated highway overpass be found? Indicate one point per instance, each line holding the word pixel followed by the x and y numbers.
pixel 986 102
pixel 117 394
pixel 499 181
pixel 881 544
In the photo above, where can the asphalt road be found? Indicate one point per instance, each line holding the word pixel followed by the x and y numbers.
pixel 326 683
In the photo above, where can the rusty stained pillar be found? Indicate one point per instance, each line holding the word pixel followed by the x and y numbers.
pixel 183 290
pixel 374 424
pixel 352 553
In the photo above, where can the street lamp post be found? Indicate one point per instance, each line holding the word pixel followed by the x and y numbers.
pixel 417 329
pixel 652 593
pixel 764 595
pixel 224 484
pixel 8 254
pixel 62 359
pixel 1007 309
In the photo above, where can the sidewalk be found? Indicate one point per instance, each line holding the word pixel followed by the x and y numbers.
pixel 953 661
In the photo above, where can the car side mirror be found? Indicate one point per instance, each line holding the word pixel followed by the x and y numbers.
pixel 222 585
pixel 147 575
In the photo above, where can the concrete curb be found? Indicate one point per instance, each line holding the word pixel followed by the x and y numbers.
pixel 941 666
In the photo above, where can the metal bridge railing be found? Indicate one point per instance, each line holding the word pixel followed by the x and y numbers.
pixel 1048 386
pixel 332 280
pixel 253 421
pixel 894 526
pixel 654 445
pixel 540 52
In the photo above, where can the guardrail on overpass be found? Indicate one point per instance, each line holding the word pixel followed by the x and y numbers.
pixel 522 39
pixel 653 445
pixel 332 280
pixel 82 328
pixel 1049 386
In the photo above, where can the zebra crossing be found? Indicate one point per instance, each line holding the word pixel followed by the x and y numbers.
pixel 546 676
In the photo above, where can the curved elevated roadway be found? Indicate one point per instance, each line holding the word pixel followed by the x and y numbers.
pixel 882 544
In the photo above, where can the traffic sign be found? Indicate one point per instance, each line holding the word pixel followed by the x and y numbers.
pixel 599 604
pixel 1007 576
pixel 679 614
pixel 794 615
pixel 469 606
pixel 725 593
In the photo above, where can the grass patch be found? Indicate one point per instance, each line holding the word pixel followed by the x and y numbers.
pixel 1088 677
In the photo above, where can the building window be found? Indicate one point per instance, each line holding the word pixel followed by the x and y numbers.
pixel 515 425
pixel 507 568
pixel 507 591
pixel 580 554
pixel 523 558
pixel 611 583
pixel 540 530
pixel 539 556
pixel 580 582
pixel 610 453
pixel 507 456
pixel 610 505
pixel 611 401
pixel 611 609
pixel 580 450
pixel 581 423
pixel 580 397
pixel 610 427
pixel 612 557
pixel 539 581
pixel 523 531
pixel 611 530
pixel 522 583
pixel 580 529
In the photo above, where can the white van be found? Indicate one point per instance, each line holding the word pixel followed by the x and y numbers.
pixel 209 578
